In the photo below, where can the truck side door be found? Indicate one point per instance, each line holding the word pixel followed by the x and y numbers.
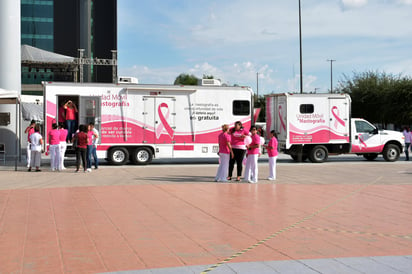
pixel 365 138
pixel 90 111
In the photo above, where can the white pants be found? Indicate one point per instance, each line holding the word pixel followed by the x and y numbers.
pixel 35 158
pixel 63 147
pixel 251 168
pixel 54 151
pixel 272 167
pixel 28 153
pixel 223 170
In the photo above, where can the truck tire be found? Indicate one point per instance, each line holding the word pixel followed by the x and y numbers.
pixel 318 154
pixel 118 155
pixel 370 156
pixel 391 153
pixel 142 156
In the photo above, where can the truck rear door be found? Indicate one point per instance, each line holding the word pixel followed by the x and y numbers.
pixel 90 111
pixel 338 120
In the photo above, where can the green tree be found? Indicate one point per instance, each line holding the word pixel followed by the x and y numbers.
pixel 186 79
pixel 380 97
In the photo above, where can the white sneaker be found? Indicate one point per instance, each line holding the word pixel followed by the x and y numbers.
pixel 271 179
pixel 89 170
pixel 251 182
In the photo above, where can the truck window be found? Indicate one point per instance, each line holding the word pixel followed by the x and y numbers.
pixel 306 108
pixel 364 127
pixel 241 107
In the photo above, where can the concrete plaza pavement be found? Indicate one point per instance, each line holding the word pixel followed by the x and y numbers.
pixel 343 216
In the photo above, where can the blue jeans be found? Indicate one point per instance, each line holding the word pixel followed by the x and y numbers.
pixel 70 124
pixel 91 152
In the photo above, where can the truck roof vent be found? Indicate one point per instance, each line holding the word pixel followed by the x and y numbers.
pixel 211 82
pixel 128 80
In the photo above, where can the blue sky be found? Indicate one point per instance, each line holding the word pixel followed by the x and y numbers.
pixel 234 39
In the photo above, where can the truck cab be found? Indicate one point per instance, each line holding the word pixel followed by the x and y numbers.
pixel 368 141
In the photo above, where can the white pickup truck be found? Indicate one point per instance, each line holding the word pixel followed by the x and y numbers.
pixel 316 125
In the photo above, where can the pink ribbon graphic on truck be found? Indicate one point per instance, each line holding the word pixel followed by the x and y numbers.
pixel 281 120
pixel 163 119
pixel 335 113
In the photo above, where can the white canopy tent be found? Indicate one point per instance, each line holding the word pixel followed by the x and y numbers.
pixel 10 128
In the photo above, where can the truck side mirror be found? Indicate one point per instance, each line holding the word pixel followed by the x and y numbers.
pixel 375 130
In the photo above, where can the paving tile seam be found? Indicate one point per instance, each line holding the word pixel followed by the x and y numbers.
pixel 380 234
pixel 296 224
pixel 99 255
pixel 57 232
pixel 25 230
pixel 117 228
pixel 162 241
pixel 3 211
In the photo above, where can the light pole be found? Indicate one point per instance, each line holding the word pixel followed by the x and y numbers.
pixel 257 84
pixel 331 74
pixel 300 50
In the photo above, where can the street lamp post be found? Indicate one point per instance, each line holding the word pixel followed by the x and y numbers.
pixel 300 50
pixel 331 74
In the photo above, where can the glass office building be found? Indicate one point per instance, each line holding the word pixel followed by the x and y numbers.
pixel 64 27
pixel 37 24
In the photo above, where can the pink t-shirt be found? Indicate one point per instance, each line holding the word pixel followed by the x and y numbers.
pixel 237 140
pixel 90 138
pixel 274 151
pixel 224 137
pixel 70 114
pixel 31 131
pixel 63 135
pixel 54 137
pixel 255 141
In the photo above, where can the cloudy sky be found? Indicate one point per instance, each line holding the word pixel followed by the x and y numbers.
pixel 233 40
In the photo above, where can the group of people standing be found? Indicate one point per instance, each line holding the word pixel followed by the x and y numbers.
pixel 237 142
pixel 57 140
pixel 84 140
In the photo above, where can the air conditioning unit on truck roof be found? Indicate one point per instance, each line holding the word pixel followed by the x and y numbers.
pixel 316 125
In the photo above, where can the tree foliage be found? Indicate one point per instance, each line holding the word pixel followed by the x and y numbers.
pixel 380 97
pixel 186 79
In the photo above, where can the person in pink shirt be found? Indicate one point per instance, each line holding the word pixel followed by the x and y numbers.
pixel 225 153
pixel 253 152
pixel 29 131
pixel 63 145
pixel 71 111
pixel 238 134
pixel 272 149
pixel 54 148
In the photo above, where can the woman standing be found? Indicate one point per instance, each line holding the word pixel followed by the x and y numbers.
pixel 54 149
pixel 70 116
pixel 253 151
pixel 272 148
pixel 36 141
pixel 63 145
pixel 82 139
pixel 225 154
pixel 238 134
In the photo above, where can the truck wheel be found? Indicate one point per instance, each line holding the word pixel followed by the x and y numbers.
pixel 391 153
pixel 370 156
pixel 118 155
pixel 318 154
pixel 142 156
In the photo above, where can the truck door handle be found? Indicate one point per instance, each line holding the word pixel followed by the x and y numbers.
pixel 356 137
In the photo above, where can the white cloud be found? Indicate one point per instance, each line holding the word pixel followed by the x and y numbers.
pixel 354 3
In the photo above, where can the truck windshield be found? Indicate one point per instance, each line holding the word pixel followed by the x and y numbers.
pixel 364 127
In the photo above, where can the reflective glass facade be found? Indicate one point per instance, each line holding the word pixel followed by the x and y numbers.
pixel 37 24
